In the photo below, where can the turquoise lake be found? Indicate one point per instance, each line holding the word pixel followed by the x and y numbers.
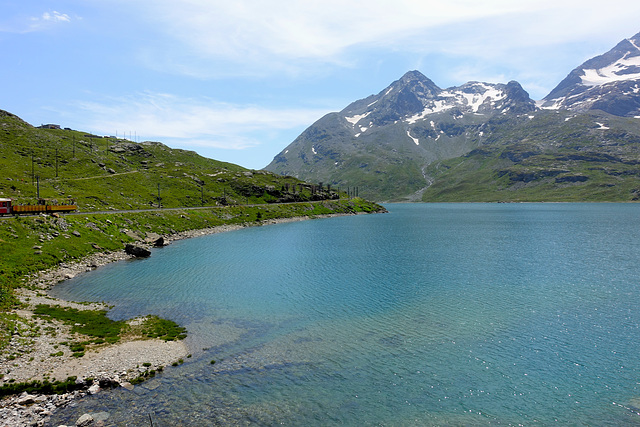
pixel 432 314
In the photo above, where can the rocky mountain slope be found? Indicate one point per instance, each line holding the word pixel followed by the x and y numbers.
pixel 609 82
pixel 398 144
pixel 382 143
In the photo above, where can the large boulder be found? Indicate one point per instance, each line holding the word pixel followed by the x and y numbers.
pixel 137 251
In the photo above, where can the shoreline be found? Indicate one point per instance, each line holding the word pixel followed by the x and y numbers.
pixel 35 354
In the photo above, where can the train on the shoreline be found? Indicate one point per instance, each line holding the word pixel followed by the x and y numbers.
pixel 8 208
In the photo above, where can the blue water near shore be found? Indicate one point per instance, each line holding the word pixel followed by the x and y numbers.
pixel 433 314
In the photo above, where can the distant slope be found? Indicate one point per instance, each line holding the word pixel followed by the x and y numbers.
pixel 547 156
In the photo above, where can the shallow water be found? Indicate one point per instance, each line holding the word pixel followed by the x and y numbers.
pixel 433 314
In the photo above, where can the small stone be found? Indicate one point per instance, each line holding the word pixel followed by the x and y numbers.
pixel 26 399
pixel 84 420
pixel 76 233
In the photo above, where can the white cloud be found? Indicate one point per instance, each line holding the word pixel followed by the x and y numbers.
pixel 203 122
pixel 44 21
pixel 267 36
pixel 275 33
pixel 217 38
pixel 55 16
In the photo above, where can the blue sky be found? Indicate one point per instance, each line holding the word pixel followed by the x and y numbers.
pixel 239 80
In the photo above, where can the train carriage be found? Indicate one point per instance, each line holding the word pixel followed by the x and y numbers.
pixel 7 207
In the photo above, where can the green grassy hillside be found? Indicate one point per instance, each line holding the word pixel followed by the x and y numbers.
pixel 109 173
pixel 549 156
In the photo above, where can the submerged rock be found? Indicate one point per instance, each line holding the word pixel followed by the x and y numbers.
pixel 84 420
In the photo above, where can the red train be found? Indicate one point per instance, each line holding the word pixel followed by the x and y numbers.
pixel 8 208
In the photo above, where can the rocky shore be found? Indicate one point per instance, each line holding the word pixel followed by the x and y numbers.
pixel 37 355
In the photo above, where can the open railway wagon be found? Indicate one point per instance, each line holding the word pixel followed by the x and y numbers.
pixel 8 208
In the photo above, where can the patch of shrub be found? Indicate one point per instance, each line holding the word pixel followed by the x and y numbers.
pixel 93 323
pixel 168 330
pixel 43 387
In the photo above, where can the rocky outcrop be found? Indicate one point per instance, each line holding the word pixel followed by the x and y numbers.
pixel 156 240
pixel 137 251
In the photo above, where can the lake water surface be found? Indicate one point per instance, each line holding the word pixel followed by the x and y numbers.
pixel 433 314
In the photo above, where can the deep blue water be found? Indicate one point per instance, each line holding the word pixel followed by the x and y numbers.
pixel 433 314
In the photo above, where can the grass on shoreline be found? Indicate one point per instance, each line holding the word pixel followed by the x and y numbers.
pixel 99 329
pixel 42 387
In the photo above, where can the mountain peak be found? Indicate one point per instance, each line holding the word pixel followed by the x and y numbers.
pixel 413 75
pixel 416 82
pixel 414 97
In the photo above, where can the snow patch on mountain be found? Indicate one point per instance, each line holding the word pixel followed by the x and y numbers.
pixel 355 119
pixel 433 107
pixel 415 140
pixel 482 93
pixel 627 68
pixel 469 98
pixel 608 82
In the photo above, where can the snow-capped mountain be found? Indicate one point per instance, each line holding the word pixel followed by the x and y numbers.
pixel 609 82
pixel 406 126
pixel 414 139
pixel 414 97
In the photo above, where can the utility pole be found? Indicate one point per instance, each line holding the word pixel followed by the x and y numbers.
pixel 158 195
